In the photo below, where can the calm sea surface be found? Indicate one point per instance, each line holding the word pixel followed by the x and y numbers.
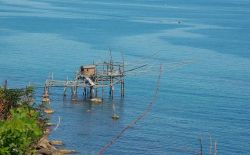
pixel 208 97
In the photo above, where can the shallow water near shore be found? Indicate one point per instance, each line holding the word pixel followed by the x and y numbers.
pixel 208 97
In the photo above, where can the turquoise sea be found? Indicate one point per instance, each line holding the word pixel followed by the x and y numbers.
pixel 208 97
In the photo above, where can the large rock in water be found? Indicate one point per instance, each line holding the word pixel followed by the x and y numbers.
pixel 45 148
pixel 57 152
pixel 56 142
pixel 65 151
pixel 96 100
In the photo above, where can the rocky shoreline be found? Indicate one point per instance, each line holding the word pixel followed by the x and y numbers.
pixel 46 147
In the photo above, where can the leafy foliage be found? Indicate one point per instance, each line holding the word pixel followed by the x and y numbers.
pixel 19 132
pixel 21 125
pixel 11 98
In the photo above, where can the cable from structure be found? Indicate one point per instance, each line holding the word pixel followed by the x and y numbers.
pixel 139 117
pixel 136 68
pixel 143 59
pixel 142 63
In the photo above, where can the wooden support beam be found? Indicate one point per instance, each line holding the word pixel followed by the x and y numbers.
pixel 91 91
pixel 46 91
pixel 5 84
pixel 74 93
pixel 65 90
pixel 122 88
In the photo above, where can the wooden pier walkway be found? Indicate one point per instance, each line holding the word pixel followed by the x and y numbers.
pixel 90 78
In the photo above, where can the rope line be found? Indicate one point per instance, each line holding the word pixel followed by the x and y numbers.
pixel 139 117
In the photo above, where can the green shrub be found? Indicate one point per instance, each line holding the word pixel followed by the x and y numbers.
pixel 12 98
pixel 19 132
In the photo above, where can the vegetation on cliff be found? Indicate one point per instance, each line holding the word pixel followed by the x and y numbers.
pixel 21 125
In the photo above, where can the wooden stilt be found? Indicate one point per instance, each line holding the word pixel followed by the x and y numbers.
pixel 91 92
pixel 102 87
pixel 123 88
pixel 74 92
pixel 5 84
pixel 85 92
pixel 96 92
pixel 110 87
pixel 64 91
pixel 45 97
pixel 112 91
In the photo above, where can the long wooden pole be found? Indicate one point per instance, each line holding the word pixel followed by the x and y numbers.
pixel 5 84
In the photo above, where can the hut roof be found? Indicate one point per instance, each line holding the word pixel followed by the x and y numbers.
pixel 89 66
